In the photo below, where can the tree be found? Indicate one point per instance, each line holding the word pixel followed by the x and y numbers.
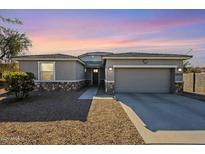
pixel 186 66
pixel 195 69
pixel 12 42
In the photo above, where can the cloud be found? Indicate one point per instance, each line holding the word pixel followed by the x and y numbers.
pixel 98 28
pixel 42 43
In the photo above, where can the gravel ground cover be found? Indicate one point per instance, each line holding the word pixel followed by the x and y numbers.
pixel 60 118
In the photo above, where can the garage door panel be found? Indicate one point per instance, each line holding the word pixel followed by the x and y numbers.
pixel 142 80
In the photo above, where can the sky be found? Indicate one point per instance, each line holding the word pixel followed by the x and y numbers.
pixel 78 31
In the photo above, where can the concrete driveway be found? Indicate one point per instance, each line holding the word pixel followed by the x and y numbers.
pixel 161 112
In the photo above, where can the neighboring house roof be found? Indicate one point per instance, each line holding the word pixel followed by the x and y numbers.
pixel 146 55
pixel 48 57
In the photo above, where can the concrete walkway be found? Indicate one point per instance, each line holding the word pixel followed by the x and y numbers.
pixel 89 93
pixel 164 137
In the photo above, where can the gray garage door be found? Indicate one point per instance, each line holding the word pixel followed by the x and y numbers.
pixel 142 80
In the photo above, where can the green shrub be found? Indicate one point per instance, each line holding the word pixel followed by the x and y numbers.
pixel 5 68
pixel 21 83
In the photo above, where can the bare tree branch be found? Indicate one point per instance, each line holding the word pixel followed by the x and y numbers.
pixel 13 21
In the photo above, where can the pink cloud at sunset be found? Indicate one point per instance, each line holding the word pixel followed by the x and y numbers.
pixel 79 31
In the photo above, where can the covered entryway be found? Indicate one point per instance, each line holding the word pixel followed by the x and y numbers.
pixel 143 80
pixel 95 77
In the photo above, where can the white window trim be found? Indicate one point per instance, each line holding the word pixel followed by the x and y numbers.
pixel 54 70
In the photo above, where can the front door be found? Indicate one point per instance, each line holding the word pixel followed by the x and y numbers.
pixel 95 76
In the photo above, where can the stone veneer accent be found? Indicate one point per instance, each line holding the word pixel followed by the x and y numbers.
pixel 66 86
pixel 178 87
pixel 109 87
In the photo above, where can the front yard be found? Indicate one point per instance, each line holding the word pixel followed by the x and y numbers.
pixel 60 118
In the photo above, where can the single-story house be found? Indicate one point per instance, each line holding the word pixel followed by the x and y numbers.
pixel 118 72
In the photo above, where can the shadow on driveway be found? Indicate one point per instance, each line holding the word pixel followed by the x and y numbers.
pixel 44 106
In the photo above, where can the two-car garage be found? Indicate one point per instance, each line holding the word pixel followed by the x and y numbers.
pixel 143 80
pixel 134 72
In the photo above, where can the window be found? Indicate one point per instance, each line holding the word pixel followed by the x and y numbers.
pixel 46 71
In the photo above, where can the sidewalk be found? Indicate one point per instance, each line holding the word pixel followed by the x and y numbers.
pixel 89 93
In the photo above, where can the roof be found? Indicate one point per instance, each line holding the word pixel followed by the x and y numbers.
pixel 96 54
pixel 144 55
pixel 48 57
pixel 106 55
pixel 53 56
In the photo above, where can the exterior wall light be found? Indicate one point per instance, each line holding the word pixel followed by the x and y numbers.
pixel 110 68
pixel 85 70
pixel 95 70
pixel 179 69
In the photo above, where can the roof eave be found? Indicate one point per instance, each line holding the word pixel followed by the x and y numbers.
pixel 180 58
pixel 49 59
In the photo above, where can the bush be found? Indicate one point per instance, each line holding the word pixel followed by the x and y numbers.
pixel 21 83
pixel 5 68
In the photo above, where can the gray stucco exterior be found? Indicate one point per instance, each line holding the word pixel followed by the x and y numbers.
pixel 69 70
pixel 69 74
pixel 80 71
pixel 117 71
pixel 111 62
pixel 175 75
pixel 29 66
pixel 64 70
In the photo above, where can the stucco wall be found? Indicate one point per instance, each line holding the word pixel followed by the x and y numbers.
pixel 200 83
pixel 64 70
pixel 29 66
pixel 88 74
pixel 109 75
pixel 188 82
pixel 80 71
